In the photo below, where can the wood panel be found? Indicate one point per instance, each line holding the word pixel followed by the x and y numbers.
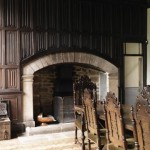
pixel 14 108
pixel 26 44
pixel 64 39
pixel 116 20
pixel 86 18
pixel 25 17
pixel 52 14
pixel 107 19
pixel 12 55
pixel 1 13
pixel 11 78
pixel 39 14
pixel 10 13
pixel 133 18
pixel 86 41
pixel 41 41
pixel 97 11
pixel 75 40
pixel 64 14
pixel 52 39
pixel 75 16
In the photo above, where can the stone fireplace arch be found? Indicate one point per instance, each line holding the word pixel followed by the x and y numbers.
pixel 30 68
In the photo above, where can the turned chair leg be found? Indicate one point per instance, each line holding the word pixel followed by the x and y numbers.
pixel 83 138
pixel 89 144
pixel 76 139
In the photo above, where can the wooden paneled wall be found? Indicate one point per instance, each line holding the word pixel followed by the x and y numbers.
pixel 30 28
pixel 99 27
pixel 10 57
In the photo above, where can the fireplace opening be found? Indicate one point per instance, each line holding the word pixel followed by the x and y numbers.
pixel 53 90
pixel 53 95
pixel 43 73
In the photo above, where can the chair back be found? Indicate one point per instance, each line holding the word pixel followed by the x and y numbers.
pixel 79 86
pixel 91 116
pixel 115 123
pixel 142 118
pixel 145 93
pixel 90 111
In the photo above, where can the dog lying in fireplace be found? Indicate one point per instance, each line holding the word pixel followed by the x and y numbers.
pixel 45 120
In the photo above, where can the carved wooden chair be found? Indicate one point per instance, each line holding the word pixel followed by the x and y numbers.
pixel 142 121
pixel 78 88
pixel 94 132
pixel 101 113
pixel 79 113
pixel 145 93
pixel 116 136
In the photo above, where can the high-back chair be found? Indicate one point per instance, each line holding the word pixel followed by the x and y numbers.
pixel 115 124
pixel 142 120
pixel 146 92
pixel 78 88
pixel 94 133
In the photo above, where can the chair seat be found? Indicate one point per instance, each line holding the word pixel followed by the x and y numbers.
pixel 94 137
pixel 103 130
pixel 130 145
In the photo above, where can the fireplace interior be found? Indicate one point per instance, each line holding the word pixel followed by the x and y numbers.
pixel 63 94
pixel 53 93
pixel 63 85
pixel 53 90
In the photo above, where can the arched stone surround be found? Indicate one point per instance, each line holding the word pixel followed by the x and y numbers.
pixel 52 59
